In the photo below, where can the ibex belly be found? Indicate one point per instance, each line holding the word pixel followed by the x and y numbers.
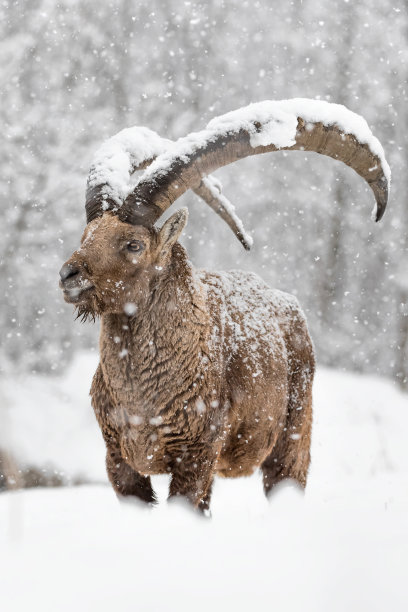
pixel 256 417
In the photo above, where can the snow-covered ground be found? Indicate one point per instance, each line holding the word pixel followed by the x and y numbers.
pixel 342 546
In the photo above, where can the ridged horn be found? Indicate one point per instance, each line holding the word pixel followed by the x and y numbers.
pixel 298 124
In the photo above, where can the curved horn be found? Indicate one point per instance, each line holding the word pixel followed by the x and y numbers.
pixel 210 190
pixel 134 149
pixel 298 124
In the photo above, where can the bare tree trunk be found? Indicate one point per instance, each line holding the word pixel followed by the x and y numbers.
pixel 334 280
pixel 401 359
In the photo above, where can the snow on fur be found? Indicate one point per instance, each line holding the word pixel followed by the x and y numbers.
pixel 266 312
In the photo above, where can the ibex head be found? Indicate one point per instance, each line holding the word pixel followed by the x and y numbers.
pixel 122 252
pixel 113 270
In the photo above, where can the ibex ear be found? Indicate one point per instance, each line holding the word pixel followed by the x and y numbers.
pixel 172 229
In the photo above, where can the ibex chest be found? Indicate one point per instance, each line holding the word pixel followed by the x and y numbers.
pixel 152 438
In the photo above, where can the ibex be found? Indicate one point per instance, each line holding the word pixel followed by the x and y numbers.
pixel 201 373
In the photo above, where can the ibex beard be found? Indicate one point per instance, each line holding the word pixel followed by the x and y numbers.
pixel 201 373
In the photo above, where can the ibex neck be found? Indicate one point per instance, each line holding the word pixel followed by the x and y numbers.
pixel 154 354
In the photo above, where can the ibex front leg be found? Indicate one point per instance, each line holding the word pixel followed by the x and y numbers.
pixel 125 480
pixel 192 479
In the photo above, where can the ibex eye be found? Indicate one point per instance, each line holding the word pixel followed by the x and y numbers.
pixel 134 246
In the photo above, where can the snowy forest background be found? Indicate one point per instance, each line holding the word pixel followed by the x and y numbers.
pixel 73 73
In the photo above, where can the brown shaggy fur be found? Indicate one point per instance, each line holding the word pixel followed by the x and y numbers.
pixel 200 373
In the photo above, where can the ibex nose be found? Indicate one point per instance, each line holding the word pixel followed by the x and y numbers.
pixel 68 271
